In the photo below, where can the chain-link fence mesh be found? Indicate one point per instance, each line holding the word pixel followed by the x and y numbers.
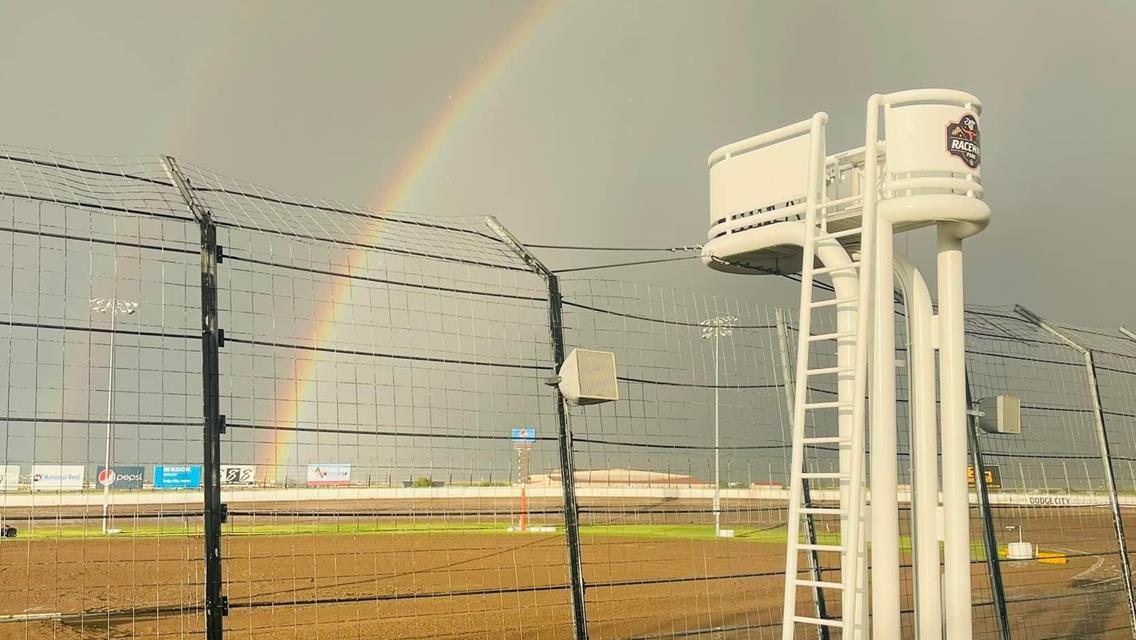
pixel 391 453
pixel 102 363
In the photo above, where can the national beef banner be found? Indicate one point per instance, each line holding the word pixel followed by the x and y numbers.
pixel 57 477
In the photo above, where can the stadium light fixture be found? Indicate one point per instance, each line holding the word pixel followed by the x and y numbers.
pixel 717 327
pixel 114 307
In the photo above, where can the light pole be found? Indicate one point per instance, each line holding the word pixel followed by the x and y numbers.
pixel 114 307
pixel 1015 527
pixel 717 328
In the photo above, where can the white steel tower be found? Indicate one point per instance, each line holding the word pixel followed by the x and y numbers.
pixel 779 203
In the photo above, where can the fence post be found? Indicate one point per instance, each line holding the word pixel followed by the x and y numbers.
pixel 212 337
pixel 1105 452
pixel 564 433
pixel 990 542
pixel 810 526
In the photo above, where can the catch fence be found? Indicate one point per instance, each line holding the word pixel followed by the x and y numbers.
pixel 322 420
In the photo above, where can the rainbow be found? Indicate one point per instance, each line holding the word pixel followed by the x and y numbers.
pixel 279 453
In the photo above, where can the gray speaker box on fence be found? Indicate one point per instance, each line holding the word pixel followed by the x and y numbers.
pixel 588 377
pixel 1003 414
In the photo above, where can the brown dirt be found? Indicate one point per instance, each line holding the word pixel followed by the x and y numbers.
pixel 500 586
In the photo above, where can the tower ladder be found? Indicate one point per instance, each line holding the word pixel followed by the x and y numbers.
pixel 847 410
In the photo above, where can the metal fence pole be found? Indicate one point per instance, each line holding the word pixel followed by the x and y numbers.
pixel 212 337
pixel 990 542
pixel 1105 452
pixel 810 526
pixel 564 433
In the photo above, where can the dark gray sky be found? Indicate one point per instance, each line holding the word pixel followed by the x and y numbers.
pixel 597 128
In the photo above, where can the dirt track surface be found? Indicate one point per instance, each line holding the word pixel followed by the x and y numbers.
pixel 406 586
pixel 500 585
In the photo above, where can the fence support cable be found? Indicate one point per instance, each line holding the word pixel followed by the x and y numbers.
pixel 564 433
pixel 1105 452
pixel 216 604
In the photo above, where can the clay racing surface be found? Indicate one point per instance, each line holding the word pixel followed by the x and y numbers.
pixel 367 570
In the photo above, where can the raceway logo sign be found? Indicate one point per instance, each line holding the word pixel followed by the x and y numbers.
pixel 963 140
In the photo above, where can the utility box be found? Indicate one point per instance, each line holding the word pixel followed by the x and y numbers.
pixel 1020 551
pixel 588 377
pixel 1003 414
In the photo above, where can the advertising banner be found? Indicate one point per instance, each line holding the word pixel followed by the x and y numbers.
pixel 57 477
pixel 238 474
pixel 121 477
pixel 993 476
pixel 523 434
pixel 324 475
pixel 177 476
pixel 9 477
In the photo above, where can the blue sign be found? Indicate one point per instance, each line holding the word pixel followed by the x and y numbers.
pixel 524 434
pixel 177 476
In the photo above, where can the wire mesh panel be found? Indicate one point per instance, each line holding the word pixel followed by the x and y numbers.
pixel 647 478
pixel 390 460
pixel 373 369
pixel 1114 365
pixel 1057 540
pixel 100 351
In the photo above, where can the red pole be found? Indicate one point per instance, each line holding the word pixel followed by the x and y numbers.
pixel 524 510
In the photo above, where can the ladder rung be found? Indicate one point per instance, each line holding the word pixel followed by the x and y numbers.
pixel 828 370
pixel 832 301
pixel 839 234
pixel 826 622
pixel 823 475
pixel 826 440
pixel 855 264
pixel 828 405
pixel 834 548
pixel 836 335
pixel 819 583
pixel 822 511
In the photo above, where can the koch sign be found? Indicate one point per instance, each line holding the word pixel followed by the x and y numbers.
pixel 524 434
pixel 57 477
pixel 121 477
pixel 177 476
pixel 324 475
pixel 238 474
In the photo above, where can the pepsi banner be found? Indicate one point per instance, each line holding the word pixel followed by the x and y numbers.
pixel 177 476
pixel 120 477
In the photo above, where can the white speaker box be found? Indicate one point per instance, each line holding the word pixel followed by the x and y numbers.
pixel 588 377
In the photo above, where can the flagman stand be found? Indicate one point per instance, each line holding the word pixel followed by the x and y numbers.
pixel 779 204
pixel 523 439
